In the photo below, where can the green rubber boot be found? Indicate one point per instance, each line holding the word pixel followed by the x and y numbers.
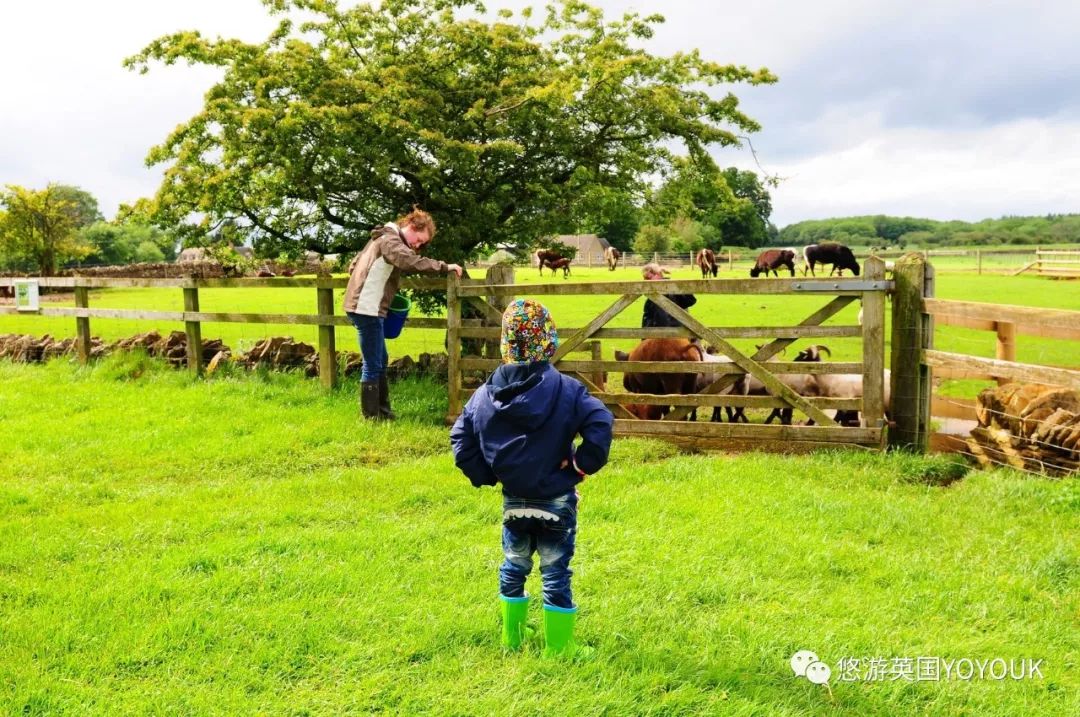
pixel 559 633
pixel 515 611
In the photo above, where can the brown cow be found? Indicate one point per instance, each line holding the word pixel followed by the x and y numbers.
pixel 706 261
pixel 563 264
pixel 543 257
pixel 660 383
pixel 771 260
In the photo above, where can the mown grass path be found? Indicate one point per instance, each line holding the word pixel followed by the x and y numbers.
pixel 243 545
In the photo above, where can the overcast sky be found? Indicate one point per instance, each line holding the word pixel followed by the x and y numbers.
pixel 954 109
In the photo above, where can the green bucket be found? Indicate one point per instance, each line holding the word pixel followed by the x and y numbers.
pixel 396 315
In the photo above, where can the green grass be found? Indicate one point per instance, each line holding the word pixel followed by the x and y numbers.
pixel 243 545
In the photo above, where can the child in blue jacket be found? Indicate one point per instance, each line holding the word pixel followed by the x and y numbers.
pixel 518 429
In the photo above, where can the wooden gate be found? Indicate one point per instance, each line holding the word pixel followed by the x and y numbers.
pixel 870 289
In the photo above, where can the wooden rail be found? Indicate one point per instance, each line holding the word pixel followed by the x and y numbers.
pixel 1066 266
pixel 1007 322
pixel 838 293
pixel 193 318
pixel 485 297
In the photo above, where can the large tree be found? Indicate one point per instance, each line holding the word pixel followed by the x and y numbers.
pixel 733 203
pixel 496 127
pixel 38 228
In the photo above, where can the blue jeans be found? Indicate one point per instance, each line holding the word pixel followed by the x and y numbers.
pixel 369 330
pixel 547 526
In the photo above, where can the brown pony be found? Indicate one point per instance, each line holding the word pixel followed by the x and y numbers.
pixel 612 256
pixel 706 261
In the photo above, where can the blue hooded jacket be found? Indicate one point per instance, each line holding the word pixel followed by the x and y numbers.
pixel 520 425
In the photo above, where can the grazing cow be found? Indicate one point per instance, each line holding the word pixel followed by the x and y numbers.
pixel 660 383
pixel 612 256
pixel 543 257
pixel 830 252
pixel 706 261
pixel 771 260
pixel 557 264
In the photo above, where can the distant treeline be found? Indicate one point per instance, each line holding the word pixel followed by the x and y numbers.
pixel 900 232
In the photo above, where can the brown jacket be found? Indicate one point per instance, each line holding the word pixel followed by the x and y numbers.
pixel 376 271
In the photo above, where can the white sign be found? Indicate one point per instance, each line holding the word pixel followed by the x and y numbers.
pixel 26 295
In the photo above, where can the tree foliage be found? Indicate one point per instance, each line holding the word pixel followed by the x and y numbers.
pixel 39 228
pixel 123 242
pixel 500 129
pixel 885 231
pixel 732 204
pixel 652 238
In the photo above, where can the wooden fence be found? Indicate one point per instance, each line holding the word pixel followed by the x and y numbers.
pixel 870 289
pixel 193 318
pixel 1055 264
pixel 473 347
pixel 1007 322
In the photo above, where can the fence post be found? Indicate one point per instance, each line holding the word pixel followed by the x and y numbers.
pixel 597 355
pixel 911 333
pixel 927 382
pixel 453 347
pixel 193 330
pixel 873 335
pixel 82 324
pixel 498 274
pixel 1006 344
pixel 978 257
pixel 328 367
pixel 729 265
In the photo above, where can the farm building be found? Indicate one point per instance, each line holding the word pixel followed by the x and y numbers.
pixel 590 248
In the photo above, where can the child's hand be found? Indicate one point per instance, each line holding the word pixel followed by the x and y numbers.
pixel 566 462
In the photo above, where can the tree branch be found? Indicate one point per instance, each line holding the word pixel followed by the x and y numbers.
pixel 254 219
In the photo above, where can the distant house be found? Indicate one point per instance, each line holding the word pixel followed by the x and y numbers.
pixel 590 248
pixel 199 254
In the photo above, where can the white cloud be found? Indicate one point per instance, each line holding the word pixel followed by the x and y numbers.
pixel 956 109
pixel 1023 167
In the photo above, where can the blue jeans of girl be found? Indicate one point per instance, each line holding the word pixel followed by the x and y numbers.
pixel 545 526
pixel 369 330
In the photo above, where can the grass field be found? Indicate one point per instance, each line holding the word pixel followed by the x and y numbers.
pixel 243 545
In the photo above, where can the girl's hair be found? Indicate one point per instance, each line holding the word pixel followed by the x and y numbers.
pixel 653 268
pixel 419 219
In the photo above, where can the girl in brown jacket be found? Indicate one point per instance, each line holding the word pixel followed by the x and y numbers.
pixel 374 276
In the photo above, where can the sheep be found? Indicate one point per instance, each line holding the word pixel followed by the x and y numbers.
pixel 738 388
pixel 850 385
pixel 803 384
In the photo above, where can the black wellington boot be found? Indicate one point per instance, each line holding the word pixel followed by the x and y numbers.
pixel 369 400
pixel 384 399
